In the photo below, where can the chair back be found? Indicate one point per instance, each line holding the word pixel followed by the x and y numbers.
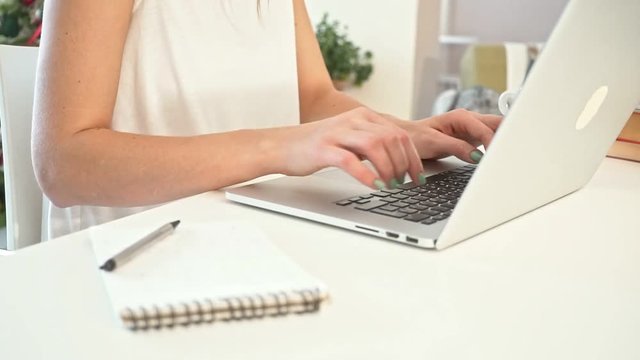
pixel 23 196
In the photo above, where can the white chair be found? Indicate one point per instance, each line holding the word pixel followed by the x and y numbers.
pixel 24 199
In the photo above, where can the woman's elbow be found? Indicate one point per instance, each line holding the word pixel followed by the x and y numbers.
pixel 54 190
pixel 49 176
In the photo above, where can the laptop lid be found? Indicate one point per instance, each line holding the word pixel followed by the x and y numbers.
pixel 577 98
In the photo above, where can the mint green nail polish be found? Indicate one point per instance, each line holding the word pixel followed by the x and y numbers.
pixel 393 183
pixel 422 178
pixel 476 156
pixel 379 184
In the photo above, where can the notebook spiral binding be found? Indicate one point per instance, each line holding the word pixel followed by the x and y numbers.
pixel 225 309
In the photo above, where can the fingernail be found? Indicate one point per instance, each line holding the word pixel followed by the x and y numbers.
pixel 476 156
pixel 422 178
pixel 379 184
pixel 393 183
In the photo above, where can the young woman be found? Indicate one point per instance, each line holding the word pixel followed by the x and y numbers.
pixel 140 102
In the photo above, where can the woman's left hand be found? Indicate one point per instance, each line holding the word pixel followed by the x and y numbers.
pixel 458 132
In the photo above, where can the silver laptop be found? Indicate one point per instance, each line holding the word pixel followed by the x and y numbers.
pixel 576 99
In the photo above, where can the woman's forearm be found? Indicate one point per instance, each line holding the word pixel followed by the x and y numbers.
pixel 329 102
pixel 332 102
pixel 107 168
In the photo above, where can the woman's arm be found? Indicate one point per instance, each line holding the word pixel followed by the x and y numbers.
pixel 80 160
pixel 455 133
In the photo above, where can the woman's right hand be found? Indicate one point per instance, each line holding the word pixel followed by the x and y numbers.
pixel 346 139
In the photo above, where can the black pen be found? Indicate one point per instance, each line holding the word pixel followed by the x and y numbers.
pixel 119 258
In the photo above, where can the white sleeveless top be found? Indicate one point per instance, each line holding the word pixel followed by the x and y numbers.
pixel 194 67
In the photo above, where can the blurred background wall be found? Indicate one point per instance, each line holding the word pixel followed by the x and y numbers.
pixel 417 44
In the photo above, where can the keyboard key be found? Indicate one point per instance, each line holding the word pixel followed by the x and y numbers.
pixel 439 209
pixel 388 199
pixel 409 185
pixel 411 201
pixel 416 217
pixel 418 207
pixel 362 201
pixel 371 205
pixel 429 221
pixel 408 211
pixel 392 191
pixel 447 205
pixel 409 193
pixel 400 204
pixel 389 208
pixel 395 214
pixel 429 212
pixel 400 196
pixel 439 217
pixel 354 199
pixel 380 194
pixel 343 202
pixel 428 203
pixel 366 196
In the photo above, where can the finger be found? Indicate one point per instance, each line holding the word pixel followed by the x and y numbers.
pixel 404 155
pixel 397 153
pixel 466 125
pixel 407 161
pixel 458 148
pixel 492 121
pixel 372 147
pixel 415 169
pixel 477 131
pixel 388 138
pixel 350 163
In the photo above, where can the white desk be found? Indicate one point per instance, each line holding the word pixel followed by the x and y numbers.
pixel 560 283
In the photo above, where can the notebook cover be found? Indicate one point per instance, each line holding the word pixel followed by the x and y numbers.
pixel 198 262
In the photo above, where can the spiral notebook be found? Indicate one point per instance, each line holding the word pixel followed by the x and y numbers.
pixel 203 273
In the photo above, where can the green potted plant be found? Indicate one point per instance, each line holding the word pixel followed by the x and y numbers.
pixel 346 63
pixel 20 21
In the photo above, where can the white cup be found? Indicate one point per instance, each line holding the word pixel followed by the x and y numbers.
pixel 506 101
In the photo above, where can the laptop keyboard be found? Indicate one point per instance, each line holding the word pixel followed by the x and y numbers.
pixel 426 204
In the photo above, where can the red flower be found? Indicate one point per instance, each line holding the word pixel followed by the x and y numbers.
pixel 35 36
pixel 27 2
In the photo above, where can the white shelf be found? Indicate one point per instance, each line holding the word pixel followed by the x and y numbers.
pixel 457 40
pixel 3 238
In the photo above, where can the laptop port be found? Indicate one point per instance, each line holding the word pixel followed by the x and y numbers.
pixel 412 240
pixel 392 235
